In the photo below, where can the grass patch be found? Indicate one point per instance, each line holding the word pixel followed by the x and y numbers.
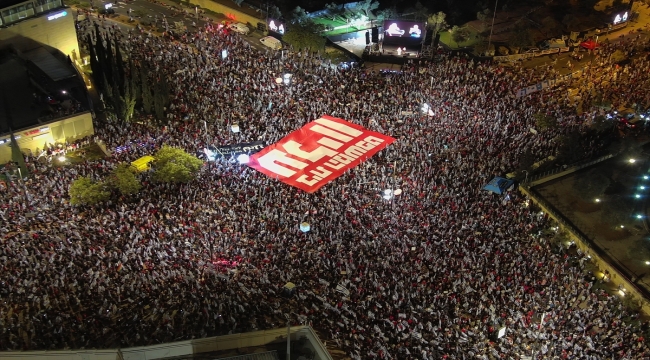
pixel 446 38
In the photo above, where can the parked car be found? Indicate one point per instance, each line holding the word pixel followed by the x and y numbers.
pixel 271 42
pixel 239 28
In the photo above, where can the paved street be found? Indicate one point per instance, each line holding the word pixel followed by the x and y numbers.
pixel 146 12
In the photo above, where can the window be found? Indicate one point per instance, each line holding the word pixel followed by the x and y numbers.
pixel 17 13
pixel 45 5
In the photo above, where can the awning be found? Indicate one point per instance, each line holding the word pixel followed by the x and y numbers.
pixel 498 185
pixel 51 66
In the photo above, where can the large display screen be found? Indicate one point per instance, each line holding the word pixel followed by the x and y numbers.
pixel 620 18
pixel 403 31
pixel 276 26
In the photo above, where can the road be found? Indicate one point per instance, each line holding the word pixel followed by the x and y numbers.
pixel 148 12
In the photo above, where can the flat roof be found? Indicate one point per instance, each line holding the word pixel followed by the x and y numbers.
pixel 38 91
pixel 9 3
pixel 50 65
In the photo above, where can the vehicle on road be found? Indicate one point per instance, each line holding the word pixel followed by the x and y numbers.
pixel 239 28
pixel 271 42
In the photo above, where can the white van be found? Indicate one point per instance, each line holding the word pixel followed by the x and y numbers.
pixel 239 28
pixel 271 42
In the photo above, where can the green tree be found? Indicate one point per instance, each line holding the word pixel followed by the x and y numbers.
pixel 305 35
pixel 161 98
pixel 147 95
pixel 387 14
pixel 367 7
pixel 299 15
pixel 420 12
pixel 174 165
pixel 124 180
pixel 545 122
pixel 17 156
pixel 274 12
pixel 484 17
pixel 85 191
pixel 459 34
pixel 335 11
pixel 591 185
pixel 437 22
pixel 127 102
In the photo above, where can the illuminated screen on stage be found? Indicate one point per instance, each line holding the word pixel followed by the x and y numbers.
pixel 276 26
pixel 403 31
pixel 620 18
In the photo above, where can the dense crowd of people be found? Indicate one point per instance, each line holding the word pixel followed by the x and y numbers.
pixel 430 274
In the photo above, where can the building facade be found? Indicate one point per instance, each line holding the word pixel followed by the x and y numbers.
pixel 30 24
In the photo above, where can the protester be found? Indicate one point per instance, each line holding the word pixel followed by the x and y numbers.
pixel 432 273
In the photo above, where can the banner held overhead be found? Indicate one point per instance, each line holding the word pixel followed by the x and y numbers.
pixel 318 153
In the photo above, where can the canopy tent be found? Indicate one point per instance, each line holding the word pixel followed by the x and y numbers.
pixel 589 44
pixel 142 164
pixel 498 185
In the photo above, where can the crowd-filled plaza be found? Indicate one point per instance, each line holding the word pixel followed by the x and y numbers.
pixel 432 273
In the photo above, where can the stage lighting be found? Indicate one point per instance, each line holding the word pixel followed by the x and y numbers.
pixel 243 159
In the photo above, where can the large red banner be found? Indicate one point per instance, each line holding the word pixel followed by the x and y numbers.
pixel 318 153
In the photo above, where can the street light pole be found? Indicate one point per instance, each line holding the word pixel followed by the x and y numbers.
pixel 288 340
pixel 494 15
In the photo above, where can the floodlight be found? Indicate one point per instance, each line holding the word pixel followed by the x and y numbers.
pixel 632 161
pixel 61 158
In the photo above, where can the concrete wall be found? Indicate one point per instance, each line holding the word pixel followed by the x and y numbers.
pixel 182 348
pixel 58 33
pixel 33 139
pixel 233 12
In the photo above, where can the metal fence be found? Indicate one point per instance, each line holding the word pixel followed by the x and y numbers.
pixel 560 171
pixel 529 55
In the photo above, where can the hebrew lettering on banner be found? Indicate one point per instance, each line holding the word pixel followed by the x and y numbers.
pixel 318 153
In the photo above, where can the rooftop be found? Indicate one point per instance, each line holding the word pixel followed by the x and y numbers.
pixel 37 87
pixel 8 3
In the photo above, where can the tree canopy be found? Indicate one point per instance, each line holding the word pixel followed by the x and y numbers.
pixel 174 165
pixel 460 34
pixel 305 35
pixel 124 180
pixel 437 22
pixel 85 191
